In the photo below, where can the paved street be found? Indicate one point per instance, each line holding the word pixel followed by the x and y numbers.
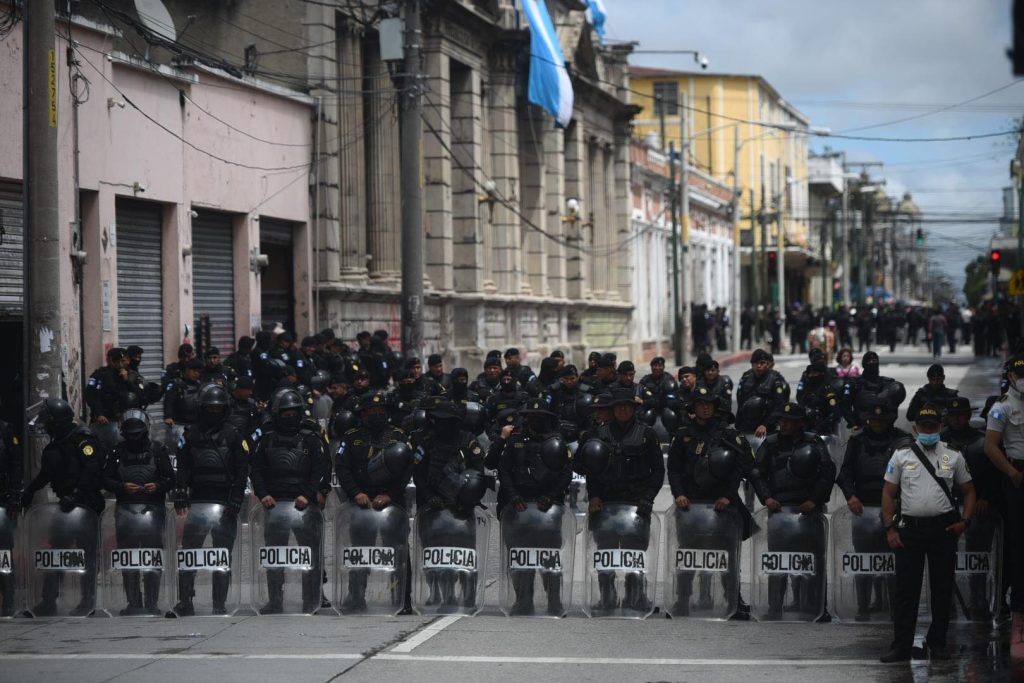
pixel 492 647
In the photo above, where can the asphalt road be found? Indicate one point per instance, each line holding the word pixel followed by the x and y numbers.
pixel 491 647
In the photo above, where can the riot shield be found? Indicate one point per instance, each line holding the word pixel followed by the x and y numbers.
pixel 621 542
pixel 863 567
pixel 207 561
pixel 371 559
pixel 450 561
pixel 979 561
pixel 287 558
pixel 8 576
pixel 60 560
pixel 537 560
pixel 135 559
pixel 788 565
pixel 702 561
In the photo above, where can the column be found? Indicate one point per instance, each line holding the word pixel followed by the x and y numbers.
pixel 437 167
pixel 621 210
pixel 383 187
pixel 533 176
pixel 575 158
pixel 470 218
pixel 504 146
pixel 351 150
pixel 554 167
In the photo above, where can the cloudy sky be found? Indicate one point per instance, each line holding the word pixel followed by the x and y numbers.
pixel 852 65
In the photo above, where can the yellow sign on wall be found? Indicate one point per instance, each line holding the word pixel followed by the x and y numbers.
pixel 1017 283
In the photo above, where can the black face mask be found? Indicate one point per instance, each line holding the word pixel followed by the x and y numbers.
pixel 288 422
pixel 211 418
pixel 447 430
pixel 459 390
pixel 870 371
pixel 376 422
pixel 136 443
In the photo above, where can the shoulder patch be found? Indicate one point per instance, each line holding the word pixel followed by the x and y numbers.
pixel 14 440
pixel 245 445
pixel 778 390
pixel 87 451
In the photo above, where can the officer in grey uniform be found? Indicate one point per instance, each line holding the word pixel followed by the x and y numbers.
pixel 921 478
pixel 1004 446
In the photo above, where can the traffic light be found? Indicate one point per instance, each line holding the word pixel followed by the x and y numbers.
pixel 919 237
pixel 771 259
pixel 994 260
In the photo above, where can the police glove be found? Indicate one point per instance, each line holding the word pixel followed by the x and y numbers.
pixel 519 504
pixel 26 499
pixel 180 498
pixel 234 508
pixel 434 503
pixel 67 503
pixel 644 508
pixel 544 503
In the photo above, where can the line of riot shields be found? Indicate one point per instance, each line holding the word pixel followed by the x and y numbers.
pixel 141 560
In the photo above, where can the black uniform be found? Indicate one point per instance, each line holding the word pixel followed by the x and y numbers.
pixel 244 416
pixel 867 455
pixel 224 375
pixel 139 518
pixel 483 388
pixel 181 401
pixel 286 466
pixel 690 474
pixel 822 403
pixel 859 393
pixel 634 477
pixel 73 467
pixel 501 408
pixel 566 404
pixel 213 465
pixel 105 394
pixel 777 480
pixel 11 484
pixel 240 362
pixel 721 389
pixel 771 388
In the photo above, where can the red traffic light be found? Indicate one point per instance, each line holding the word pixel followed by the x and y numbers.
pixel 995 255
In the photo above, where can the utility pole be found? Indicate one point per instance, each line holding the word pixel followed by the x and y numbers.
pixel 864 245
pixel 684 199
pixel 780 256
pixel 755 275
pixel 844 239
pixel 411 103
pixel 677 327
pixel 42 327
pixel 737 298
pixel 762 218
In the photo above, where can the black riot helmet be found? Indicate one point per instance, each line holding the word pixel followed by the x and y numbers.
pixel 722 462
pixel 135 429
pixel 389 463
pixel 804 462
pixel 474 486
pixel 343 421
pixel 593 458
pixel 752 411
pixel 476 419
pixel 373 412
pixel 320 381
pixel 554 453
pixel 213 405
pixel 288 412
pixel 893 393
pixel 55 417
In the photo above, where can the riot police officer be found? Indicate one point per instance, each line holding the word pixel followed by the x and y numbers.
pixel 501 406
pixel 213 465
pixel 489 381
pixel 706 462
pixel 657 386
pixel 448 474
pixel 634 476
pixel 570 403
pixel 290 465
pixel 243 411
pixel 990 505
pixel 186 352
pixel 240 360
pixel 11 484
pixel 181 401
pixel 794 469
pixel 139 474
pixel 934 392
pixel 819 399
pixel 145 393
pixel 861 392
pixel 215 372
pixel 523 373
pixel 762 393
pixel 860 479
pixel 373 463
pixel 533 467
pixel 710 376
pixel 72 464
pixel 105 395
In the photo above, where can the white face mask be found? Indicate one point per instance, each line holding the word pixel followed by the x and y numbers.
pixel 1013 391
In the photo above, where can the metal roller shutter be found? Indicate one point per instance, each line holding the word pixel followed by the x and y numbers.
pixel 12 275
pixel 213 276
pixel 140 319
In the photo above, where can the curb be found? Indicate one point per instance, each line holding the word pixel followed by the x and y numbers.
pixel 734 359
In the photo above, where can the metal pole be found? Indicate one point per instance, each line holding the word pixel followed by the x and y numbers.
pixel 867 207
pixel 780 259
pixel 677 331
pixel 755 276
pixel 737 298
pixel 411 100
pixel 684 200
pixel 844 240
pixel 42 326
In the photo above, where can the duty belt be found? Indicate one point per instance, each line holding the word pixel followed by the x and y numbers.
pixel 945 519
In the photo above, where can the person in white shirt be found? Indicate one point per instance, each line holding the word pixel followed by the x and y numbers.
pixel 926 529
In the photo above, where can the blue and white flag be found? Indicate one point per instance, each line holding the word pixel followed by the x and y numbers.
pixel 549 87
pixel 598 14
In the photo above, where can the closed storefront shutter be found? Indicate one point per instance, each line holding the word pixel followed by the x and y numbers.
pixel 12 280
pixel 213 277
pixel 140 306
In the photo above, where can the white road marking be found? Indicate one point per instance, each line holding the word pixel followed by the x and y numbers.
pixel 630 661
pixel 420 637
pixel 181 655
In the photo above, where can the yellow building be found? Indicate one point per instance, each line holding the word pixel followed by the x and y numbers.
pixel 721 112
